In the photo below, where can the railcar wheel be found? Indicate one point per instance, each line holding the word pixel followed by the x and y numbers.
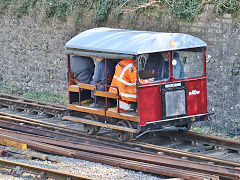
pixel 91 129
pixel 187 126
pixel 124 135
pixel 130 134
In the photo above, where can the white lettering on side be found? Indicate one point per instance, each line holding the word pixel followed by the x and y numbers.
pixel 173 85
pixel 194 92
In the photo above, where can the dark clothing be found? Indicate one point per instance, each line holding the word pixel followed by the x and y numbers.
pixel 154 61
pixel 82 68
pixel 164 70
pixel 158 65
pixel 178 70
pixel 99 73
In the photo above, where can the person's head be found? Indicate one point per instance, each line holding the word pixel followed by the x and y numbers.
pixel 165 55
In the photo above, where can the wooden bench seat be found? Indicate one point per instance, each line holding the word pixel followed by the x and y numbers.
pixel 75 88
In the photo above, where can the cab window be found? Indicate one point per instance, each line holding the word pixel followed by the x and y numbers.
pixel 188 63
pixel 154 65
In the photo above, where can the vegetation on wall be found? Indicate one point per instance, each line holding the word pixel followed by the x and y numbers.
pixel 102 9
pixel 226 6
pixel 186 9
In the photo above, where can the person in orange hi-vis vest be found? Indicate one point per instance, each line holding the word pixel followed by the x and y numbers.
pixel 125 79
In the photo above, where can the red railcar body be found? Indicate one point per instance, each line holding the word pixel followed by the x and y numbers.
pixel 175 97
pixel 150 103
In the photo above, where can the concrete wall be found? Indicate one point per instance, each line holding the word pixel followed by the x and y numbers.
pixel 32 55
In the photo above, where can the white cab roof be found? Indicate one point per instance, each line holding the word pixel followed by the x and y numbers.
pixel 131 42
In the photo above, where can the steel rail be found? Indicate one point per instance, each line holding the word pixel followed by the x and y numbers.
pixel 43 147
pixel 145 167
pixel 36 122
pixel 191 136
pixel 60 132
pixel 7 96
pixel 131 155
pixel 25 104
pixel 70 130
pixel 15 133
pixel 148 147
pixel 203 138
pixel 44 172
pixel 113 160
pixel 40 107
pixel 188 155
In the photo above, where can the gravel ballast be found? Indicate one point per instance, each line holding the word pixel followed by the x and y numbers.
pixel 85 168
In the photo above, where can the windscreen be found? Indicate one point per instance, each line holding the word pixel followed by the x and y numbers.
pixel 187 63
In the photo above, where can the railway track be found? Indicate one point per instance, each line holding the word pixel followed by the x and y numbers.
pixel 32 105
pixel 11 121
pixel 35 172
pixel 148 162
pixel 65 147
pixel 24 105
pixel 55 127
pixel 209 141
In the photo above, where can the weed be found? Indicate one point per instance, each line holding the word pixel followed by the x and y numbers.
pixel 186 9
pixel 59 9
pixel 46 97
pixel 4 4
pixel 39 96
pixel 226 6
pixel 47 50
pixel 102 9
pixel 22 7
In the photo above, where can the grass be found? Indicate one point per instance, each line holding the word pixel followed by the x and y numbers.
pixel 210 131
pixel 38 96
pixel 46 97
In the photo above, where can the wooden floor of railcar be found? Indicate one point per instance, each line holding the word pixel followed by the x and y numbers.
pixel 112 108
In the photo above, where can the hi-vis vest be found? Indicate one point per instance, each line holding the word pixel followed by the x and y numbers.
pixel 125 79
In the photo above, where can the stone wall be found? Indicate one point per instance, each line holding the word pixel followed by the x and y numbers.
pixel 32 55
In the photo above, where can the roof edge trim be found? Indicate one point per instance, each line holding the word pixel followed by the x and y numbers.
pixel 98 54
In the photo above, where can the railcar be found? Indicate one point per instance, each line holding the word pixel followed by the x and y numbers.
pixel 169 103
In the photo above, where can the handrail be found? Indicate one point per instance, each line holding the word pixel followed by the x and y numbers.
pixel 105 94
pixel 86 86
pixel 113 96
